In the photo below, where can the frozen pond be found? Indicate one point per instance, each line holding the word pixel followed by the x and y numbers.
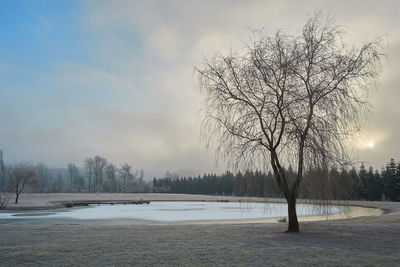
pixel 167 212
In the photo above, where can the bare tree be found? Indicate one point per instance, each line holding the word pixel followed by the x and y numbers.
pixel 98 166
pixel 140 183
pixel 111 174
pixel 126 175
pixel 79 183
pixel 289 100
pixel 89 165
pixel 19 176
pixel 43 177
pixel 58 183
pixel 73 173
pixel 2 170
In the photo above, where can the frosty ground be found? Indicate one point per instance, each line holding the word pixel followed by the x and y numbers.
pixel 367 240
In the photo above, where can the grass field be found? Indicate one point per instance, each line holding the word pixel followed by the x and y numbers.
pixel 363 241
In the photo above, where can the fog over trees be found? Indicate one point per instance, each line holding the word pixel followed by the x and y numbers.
pixel 97 175
pixel 43 177
pixel 336 184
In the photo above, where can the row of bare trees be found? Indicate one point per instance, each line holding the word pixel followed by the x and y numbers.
pixel 97 175
pixel 103 176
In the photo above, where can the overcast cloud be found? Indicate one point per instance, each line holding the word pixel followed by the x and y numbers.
pixel 115 78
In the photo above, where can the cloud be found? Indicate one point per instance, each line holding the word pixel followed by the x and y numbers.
pixel 133 97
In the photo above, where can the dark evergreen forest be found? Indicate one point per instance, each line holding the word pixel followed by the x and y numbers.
pixel 343 184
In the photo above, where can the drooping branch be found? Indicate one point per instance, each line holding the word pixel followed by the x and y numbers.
pixel 289 101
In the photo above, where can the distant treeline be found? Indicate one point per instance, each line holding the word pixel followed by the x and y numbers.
pixel 100 175
pixel 97 175
pixel 352 184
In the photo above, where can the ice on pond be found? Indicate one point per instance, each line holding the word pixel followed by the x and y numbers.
pixel 176 211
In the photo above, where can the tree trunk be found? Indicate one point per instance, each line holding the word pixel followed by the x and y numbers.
pixel 16 194
pixel 293 222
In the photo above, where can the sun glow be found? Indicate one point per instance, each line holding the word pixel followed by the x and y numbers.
pixel 366 141
pixel 370 144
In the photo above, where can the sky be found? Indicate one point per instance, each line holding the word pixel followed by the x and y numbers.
pixel 116 78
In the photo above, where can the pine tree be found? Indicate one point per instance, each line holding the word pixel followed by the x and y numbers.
pixel 391 180
pixel 362 175
pixel 372 186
